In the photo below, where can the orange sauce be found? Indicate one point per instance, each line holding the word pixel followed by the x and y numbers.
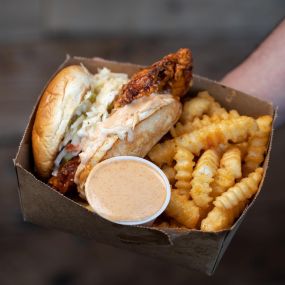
pixel 125 190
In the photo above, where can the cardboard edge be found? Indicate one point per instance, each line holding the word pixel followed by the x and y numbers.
pixel 125 63
pixel 18 165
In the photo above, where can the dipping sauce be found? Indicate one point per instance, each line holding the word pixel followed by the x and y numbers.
pixel 125 190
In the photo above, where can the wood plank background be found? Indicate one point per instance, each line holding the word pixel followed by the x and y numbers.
pixel 28 56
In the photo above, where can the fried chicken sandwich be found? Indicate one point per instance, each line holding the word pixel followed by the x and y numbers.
pixel 83 118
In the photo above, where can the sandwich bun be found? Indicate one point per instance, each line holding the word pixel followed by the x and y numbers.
pixel 145 135
pixel 55 110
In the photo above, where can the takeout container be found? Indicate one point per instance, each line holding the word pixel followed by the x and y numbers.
pixel 193 249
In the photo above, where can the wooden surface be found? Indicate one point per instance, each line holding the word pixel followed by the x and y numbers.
pixel 33 255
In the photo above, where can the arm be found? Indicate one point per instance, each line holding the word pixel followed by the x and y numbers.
pixel 262 74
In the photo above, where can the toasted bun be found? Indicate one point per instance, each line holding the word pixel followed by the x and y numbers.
pixel 146 134
pixel 57 105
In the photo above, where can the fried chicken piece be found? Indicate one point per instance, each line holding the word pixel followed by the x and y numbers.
pixel 172 73
pixel 64 180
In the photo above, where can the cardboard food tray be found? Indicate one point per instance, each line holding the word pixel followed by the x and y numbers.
pixel 193 249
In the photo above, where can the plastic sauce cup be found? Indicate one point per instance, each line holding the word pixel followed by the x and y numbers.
pixel 99 201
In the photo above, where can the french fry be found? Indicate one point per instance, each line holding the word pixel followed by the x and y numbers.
pixel 214 108
pixel 169 223
pixel 258 144
pixel 203 175
pixel 241 191
pixel 230 169
pixel 223 180
pixel 163 153
pixel 231 160
pixel 184 211
pixel 199 123
pixel 221 219
pixel 195 107
pixel 170 173
pixel 184 168
pixel 243 147
pixel 208 197
pixel 236 130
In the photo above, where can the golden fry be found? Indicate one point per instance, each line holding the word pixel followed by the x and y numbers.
pixel 184 168
pixel 184 211
pixel 241 191
pixel 236 130
pixel 223 180
pixel 203 175
pixel 195 107
pixel 231 160
pixel 170 173
pixel 221 219
pixel 199 123
pixel 214 108
pixel 163 153
pixel 258 144
pixel 243 147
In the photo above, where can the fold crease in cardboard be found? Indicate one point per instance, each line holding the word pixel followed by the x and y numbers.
pixel 193 249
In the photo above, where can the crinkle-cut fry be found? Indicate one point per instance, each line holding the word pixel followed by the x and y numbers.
pixel 195 107
pixel 236 130
pixel 207 163
pixel 221 148
pixel 199 123
pixel 220 219
pixel 205 95
pixel 190 126
pixel 183 192
pixel 241 191
pixel 223 180
pixel 169 223
pixel 243 146
pixel 215 108
pixel 163 153
pixel 231 160
pixel 257 145
pixel 170 173
pixel 184 211
pixel 180 129
pixel 184 168
pixel 203 174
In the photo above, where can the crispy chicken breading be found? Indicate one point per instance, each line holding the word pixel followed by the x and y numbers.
pixel 172 73
pixel 64 180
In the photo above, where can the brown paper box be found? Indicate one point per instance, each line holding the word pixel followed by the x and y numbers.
pixel 193 249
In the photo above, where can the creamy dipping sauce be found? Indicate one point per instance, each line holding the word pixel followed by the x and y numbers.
pixel 125 190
